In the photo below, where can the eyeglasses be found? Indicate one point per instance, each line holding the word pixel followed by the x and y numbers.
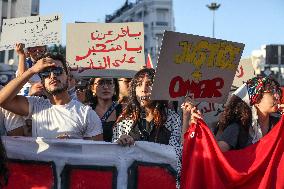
pixel 104 82
pixel 80 89
pixel 55 70
pixel 125 80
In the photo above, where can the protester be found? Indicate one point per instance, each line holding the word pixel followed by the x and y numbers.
pixel 248 115
pixel 36 89
pixel 55 117
pixel 123 84
pixel 82 92
pixel 104 102
pixel 144 119
pixel 27 60
pixel 71 85
pixel 3 165
pixel 11 124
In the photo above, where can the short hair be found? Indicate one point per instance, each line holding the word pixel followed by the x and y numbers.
pixel 59 57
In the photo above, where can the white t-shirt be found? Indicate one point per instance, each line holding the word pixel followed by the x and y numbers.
pixel 74 119
pixel 10 121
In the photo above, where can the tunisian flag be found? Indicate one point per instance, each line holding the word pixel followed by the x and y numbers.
pixel 260 165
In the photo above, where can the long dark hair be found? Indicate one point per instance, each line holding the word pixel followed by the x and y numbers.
pixel 236 111
pixel 3 165
pixel 94 99
pixel 133 110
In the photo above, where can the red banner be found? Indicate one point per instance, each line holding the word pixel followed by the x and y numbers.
pixel 259 165
pixel 24 174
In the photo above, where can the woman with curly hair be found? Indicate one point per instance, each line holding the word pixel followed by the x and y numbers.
pixel 248 115
pixel 3 165
pixel 144 119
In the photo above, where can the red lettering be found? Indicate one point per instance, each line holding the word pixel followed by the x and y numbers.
pixel 203 89
pixel 181 91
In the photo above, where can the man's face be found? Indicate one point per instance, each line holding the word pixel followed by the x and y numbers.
pixel 55 79
pixel 36 52
pixel 124 84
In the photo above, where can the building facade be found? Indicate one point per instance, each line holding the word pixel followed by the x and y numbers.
pixel 268 61
pixel 157 16
pixel 14 9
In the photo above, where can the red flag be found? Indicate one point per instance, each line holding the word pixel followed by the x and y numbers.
pixel 149 63
pixel 260 165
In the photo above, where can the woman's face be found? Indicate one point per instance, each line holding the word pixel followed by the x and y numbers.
pixel 143 90
pixel 268 103
pixel 103 88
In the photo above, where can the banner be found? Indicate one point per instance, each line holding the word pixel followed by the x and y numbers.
pixel 200 67
pixel 105 50
pixel 31 31
pixel 259 165
pixel 80 164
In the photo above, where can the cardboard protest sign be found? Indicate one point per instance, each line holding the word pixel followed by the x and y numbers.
pixel 31 31
pixel 200 67
pixel 244 72
pixel 211 112
pixel 105 50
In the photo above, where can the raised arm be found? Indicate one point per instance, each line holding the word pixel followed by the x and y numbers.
pixel 22 57
pixel 9 99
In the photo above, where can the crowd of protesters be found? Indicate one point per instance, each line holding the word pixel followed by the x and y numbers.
pixel 46 100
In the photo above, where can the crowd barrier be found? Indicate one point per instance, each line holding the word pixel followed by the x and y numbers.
pixel 80 164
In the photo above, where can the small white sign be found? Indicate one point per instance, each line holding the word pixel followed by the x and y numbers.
pixel 31 31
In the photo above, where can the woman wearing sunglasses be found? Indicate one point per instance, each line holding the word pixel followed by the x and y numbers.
pixel 144 119
pixel 104 101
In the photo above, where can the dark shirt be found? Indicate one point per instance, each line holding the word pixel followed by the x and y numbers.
pixel 150 133
pixel 237 137
pixel 108 126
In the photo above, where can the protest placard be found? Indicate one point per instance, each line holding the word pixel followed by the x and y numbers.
pixel 244 72
pixel 105 50
pixel 200 67
pixel 31 31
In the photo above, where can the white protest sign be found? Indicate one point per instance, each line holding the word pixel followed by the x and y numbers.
pixel 244 72
pixel 106 50
pixel 200 67
pixel 210 112
pixel 31 31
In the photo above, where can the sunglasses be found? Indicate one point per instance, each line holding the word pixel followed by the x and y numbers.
pixel 55 70
pixel 80 88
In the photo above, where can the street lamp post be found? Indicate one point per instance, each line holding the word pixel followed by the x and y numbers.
pixel 213 7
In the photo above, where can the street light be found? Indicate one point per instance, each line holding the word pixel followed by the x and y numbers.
pixel 213 7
